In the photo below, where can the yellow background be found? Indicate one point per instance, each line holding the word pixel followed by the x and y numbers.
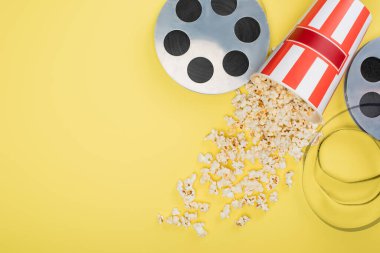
pixel 94 136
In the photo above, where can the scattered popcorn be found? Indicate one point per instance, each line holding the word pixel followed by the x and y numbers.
pixel 268 123
pixel 175 212
pixel 225 213
pixel 160 218
pixel 190 216
pixel 205 158
pixel 273 182
pixel 262 202
pixel 215 166
pixel 186 190
pixel 238 166
pixel 242 221
pixel 249 200
pixel 185 222
pixel 237 204
pixel 237 189
pixel 205 178
pixel 223 183
pixel 225 173
pixel 274 179
pixel 199 228
pixel 252 186
pixel 227 192
pixel 230 121
pixel 190 181
pixel 212 135
pixel 173 220
pixel 213 190
pixel 222 158
pixel 289 178
pixel 250 155
pixel 204 207
pixel 273 197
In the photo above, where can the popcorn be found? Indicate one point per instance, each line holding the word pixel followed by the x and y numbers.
pixel 190 181
pixel 273 197
pixel 199 228
pixel 253 174
pixel 186 190
pixel 204 207
pixel 185 222
pixel 175 212
pixel 242 221
pixel 274 179
pixel 225 213
pixel 282 164
pixel 213 189
pixel 225 173
pixel 249 200
pixel 205 158
pixel 190 216
pixel 252 186
pixel 273 182
pixel 215 166
pixel 160 218
pixel 269 122
pixel 237 189
pixel 223 183
pixel 238 166
pixel 262 202
pixel 222 158
pixel 230 121
pixel 231 155
pixel 174 220
pixel 237 204
pixel 205 176
pixel 212 135
pixel 228 193
pixel 289 178
pixel 192 205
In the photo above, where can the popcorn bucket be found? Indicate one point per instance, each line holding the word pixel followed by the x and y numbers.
pixel 313 58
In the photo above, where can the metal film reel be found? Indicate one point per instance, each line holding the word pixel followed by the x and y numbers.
pixel 211 46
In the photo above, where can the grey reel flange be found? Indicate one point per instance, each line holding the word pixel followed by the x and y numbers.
pixel 362 88
pixel 212 46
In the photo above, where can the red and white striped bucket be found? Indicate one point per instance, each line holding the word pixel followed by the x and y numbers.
pixel 312 60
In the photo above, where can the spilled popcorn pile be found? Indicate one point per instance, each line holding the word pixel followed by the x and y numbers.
pixel 269 122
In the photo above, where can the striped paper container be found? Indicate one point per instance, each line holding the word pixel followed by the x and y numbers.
pixel 312 60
